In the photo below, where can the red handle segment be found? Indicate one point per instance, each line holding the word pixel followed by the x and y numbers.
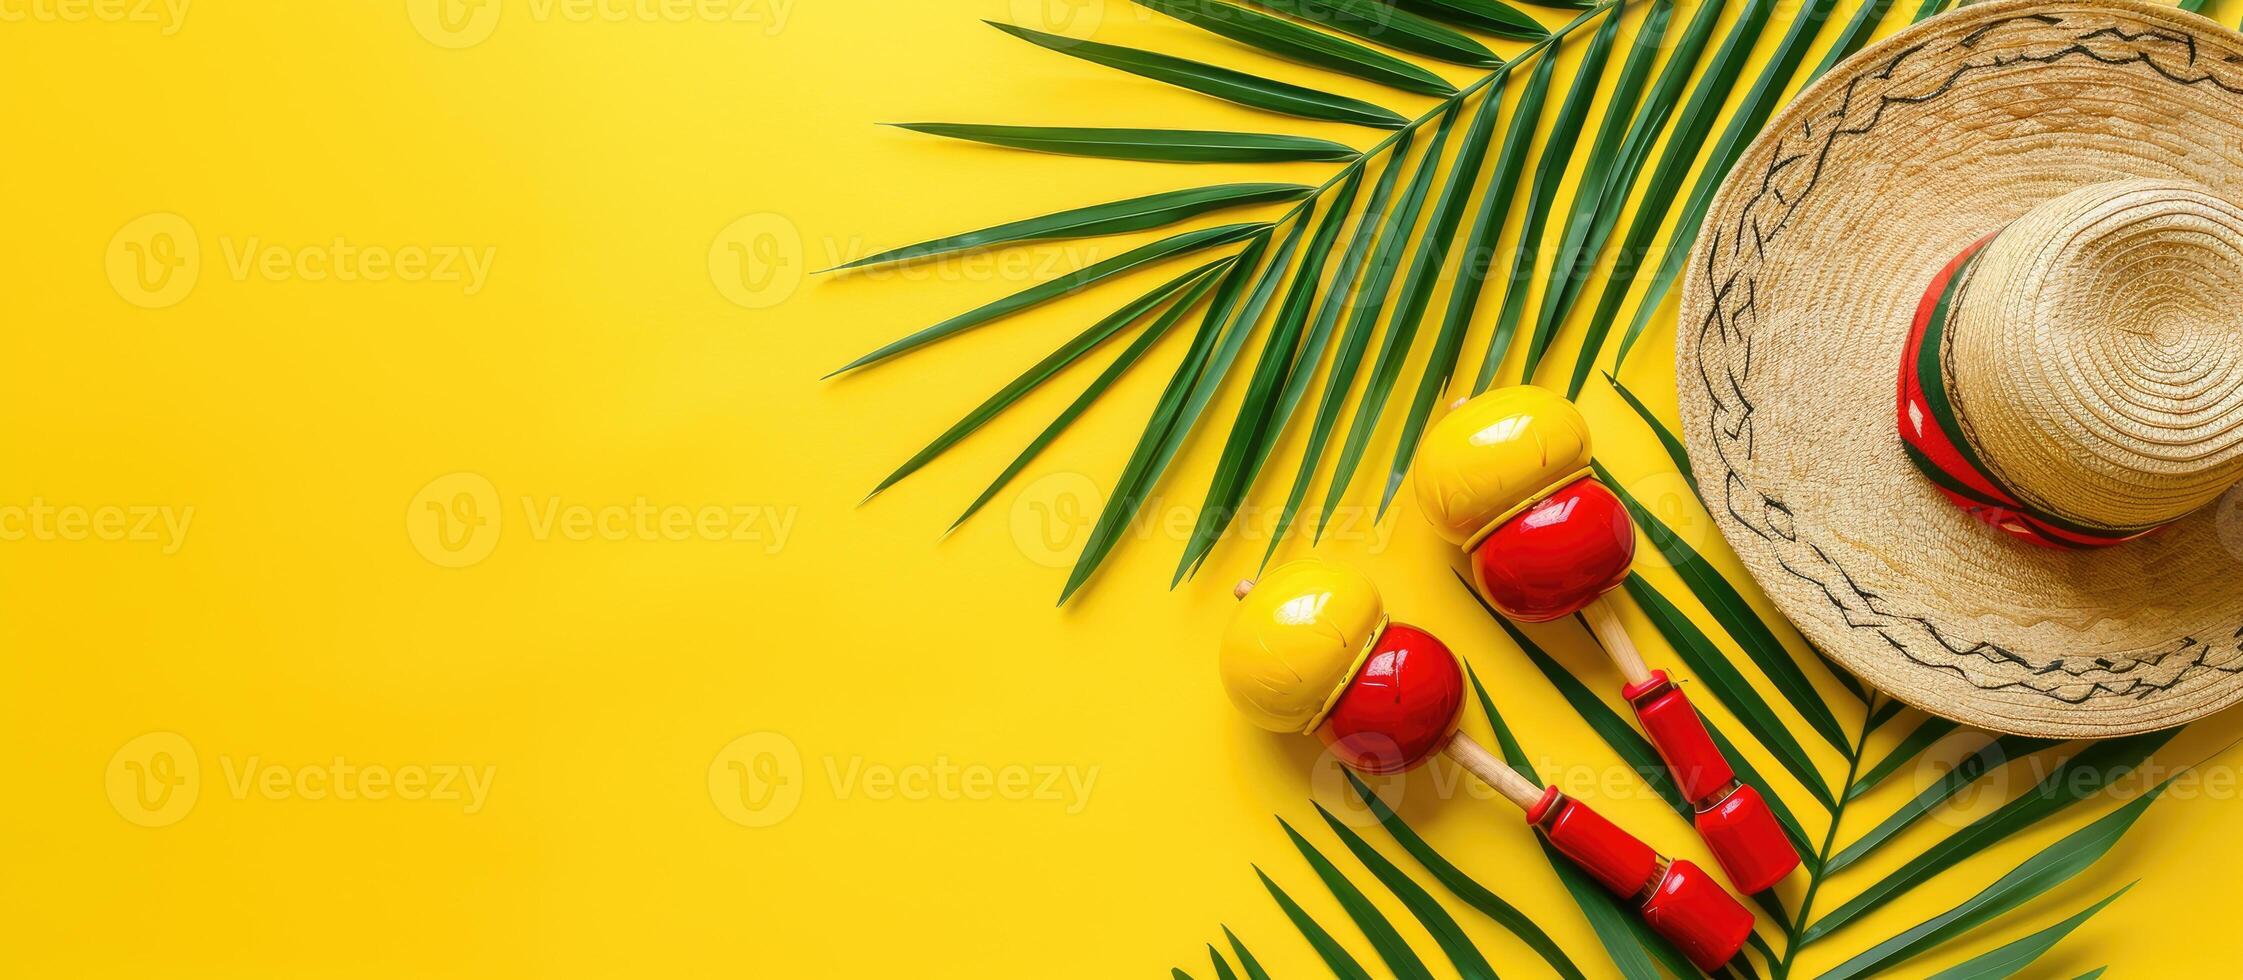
pixel 1677 899
pixel 1732 818
pixel 1691 910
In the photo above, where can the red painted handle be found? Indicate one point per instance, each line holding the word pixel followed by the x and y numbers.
pixel 1677 899
pixel 1618 861
pixel 1692 911
pixel 1733 818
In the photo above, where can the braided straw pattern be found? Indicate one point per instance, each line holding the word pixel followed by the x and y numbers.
pixel 2103 375
pixel 2095 356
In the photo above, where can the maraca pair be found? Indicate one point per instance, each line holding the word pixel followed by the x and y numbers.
pixel 1506 476
pixel 1311 650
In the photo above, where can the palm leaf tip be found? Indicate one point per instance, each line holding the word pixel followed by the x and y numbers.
pixel 1150 145
pixel 1227 84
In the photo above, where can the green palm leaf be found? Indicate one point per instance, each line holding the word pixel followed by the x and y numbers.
pixel 1294 42
pixel 1589 200
pixel 1184 243
pixel 1155 145
pixel 1857 33
pixel 1396 29
pixel 1417 291
pixel 1667 442
pixel 1119 217
pixel 1492 16
pixel 1231 85
pixel 1620 181
pixel 1390 945
pixel 1043 370
pixel 1334 955
pixel 2077 779
pixel 1436 920
pixel 2009 959
pixel 1557 156
pixel 1222 336
pixel 1993 756
pixel 1691 126
pixel 1250 439
pixel 1402 328
pixel 1486 226
pixel 1120 366
pixel 2053 866
pixel 1744 125
pixel 1222 967
pixel 1349 355
pixel 1468 891
pixel 1246 960
pixel 1911 746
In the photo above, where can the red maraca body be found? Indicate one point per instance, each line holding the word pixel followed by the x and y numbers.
pixel 1402 705
pixel 1558 555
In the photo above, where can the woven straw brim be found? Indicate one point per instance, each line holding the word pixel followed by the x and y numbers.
pixel 1806 277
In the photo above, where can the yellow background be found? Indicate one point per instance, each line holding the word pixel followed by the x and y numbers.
pixel 616 172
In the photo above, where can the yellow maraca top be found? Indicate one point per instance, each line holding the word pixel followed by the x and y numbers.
pixel 1496 454
pixel 1296 641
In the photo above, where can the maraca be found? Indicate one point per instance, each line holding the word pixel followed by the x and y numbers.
pixel 1506 476
pixel 1311 650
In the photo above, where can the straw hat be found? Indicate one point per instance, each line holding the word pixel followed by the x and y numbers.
pixel 1960 363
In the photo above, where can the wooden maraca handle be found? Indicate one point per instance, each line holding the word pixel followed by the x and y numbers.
pixel 1604 621
pixel 1477 760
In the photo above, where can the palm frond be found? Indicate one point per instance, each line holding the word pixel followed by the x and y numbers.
pixel 1294 42
pixel 1744 125
pixel 1228 84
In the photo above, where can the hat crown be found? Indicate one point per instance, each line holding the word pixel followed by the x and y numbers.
pixel 2096 352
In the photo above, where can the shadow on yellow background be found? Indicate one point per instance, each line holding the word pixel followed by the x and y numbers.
pixel 438 556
